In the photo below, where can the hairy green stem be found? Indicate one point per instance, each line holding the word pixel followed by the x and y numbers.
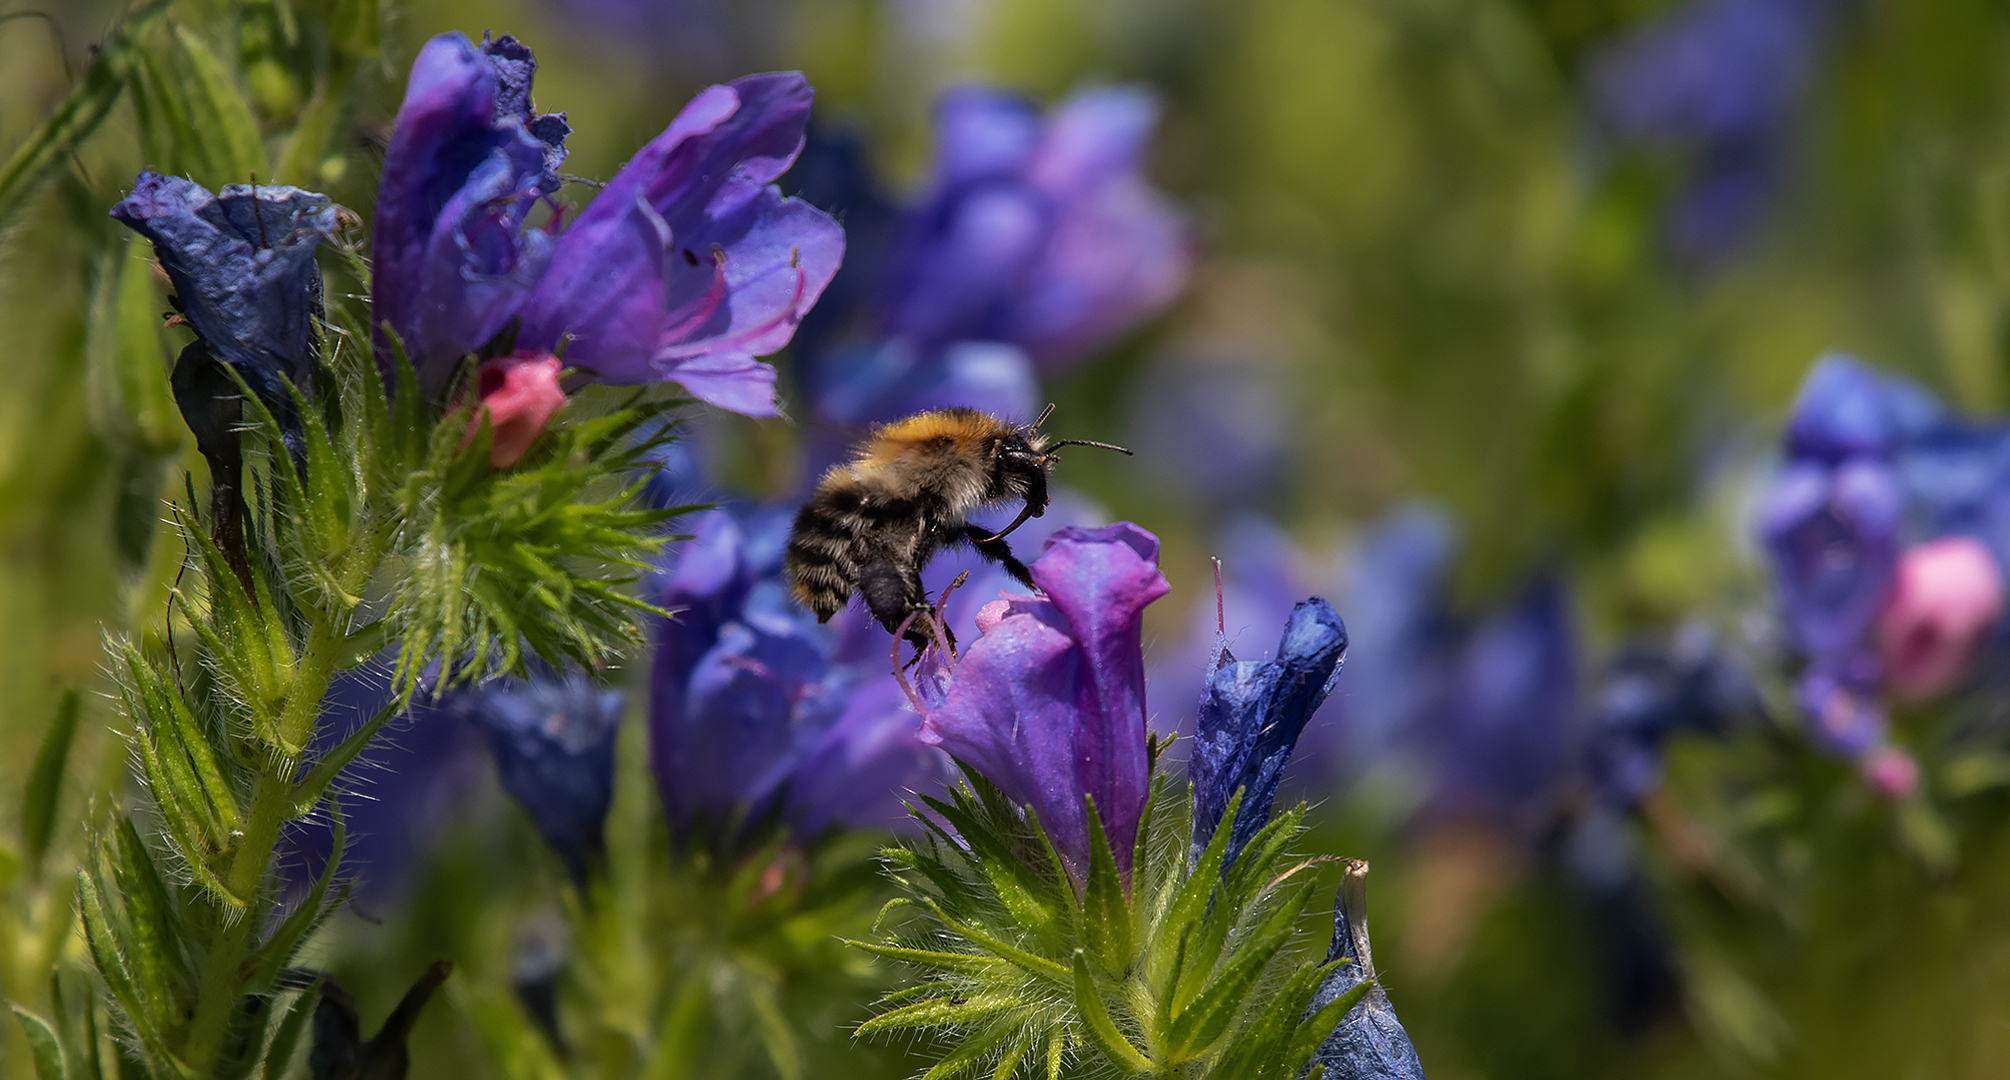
pixel 271 807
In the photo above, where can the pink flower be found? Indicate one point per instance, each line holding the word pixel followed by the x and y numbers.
pixel 1890 772
pixel 519 395
pixel 1945 595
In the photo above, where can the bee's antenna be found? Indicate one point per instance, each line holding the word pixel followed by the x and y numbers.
pixel 1047 412
pixel 1085 442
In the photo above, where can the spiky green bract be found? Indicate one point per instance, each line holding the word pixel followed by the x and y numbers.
pixel 364 524
pixel 1172 974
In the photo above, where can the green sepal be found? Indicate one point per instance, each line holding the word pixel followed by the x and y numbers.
pixel 43 1047
pixel 150 942
pixel 1314 1029
pixel 45 781
pixel 962 963
pixel 1196 1028
pixel 1106 916
pixel 1011 880
pixel 1096 1020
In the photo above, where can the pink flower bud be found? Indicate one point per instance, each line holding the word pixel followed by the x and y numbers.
pixel 1890 772
pixel 519 394
pixel 1944 596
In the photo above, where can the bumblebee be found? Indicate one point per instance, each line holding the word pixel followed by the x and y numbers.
pixel 907 493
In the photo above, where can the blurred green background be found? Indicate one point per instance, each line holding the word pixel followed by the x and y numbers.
pixel 1408 224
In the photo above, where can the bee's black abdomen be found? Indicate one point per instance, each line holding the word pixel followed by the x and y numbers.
pixel 821 557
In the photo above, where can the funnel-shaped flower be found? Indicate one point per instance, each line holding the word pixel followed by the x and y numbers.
pixel 1040 232
pixel 685 267
pixel 242 265
pixel 1369 1043
pixel 1049 703
pixel 1832 532
pixel 1250 719
pixel 553 739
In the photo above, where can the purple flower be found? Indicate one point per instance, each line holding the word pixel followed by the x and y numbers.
pixel 553 740
pixel 1847 409
pixel 1832 534
pixel 1040 232
pixel 1250 719
pixel 242 265
pixel 1404 642
pixel 415 778
pixel 756 709
pixel 1049 703
pixel 1721 79
pixel 1369 1043
pixel 685 267
pixel 1504 737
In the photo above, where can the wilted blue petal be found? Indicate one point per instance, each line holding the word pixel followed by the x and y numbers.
pixel 242 264
pixel 553 740
pixel 1049 704
pixel 1369 1043
pixel 1250 719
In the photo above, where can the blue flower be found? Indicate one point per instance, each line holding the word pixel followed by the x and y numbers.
pixel 242 265
pixel 1250 719
pixel 756 710
pixel 1721 79
pixel 1369 1043
pixel 553 739
pixel 1037 231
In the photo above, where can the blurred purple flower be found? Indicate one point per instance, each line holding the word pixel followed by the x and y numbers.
pixel 1649 693
pixel 1721 79
pixel 1404 639
pixel 1504 738
pixel 1049 703
pixel 1250 720
pixel 1039 232
pixel 758 710
pixel 685 267
pixel 553 739
pixel 423 770
pixel 242 265
pixel 1213 432
pixel 1848 409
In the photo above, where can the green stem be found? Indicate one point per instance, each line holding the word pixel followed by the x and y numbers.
pixel 271 807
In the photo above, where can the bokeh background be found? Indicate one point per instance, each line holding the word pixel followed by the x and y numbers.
pixel 1541 275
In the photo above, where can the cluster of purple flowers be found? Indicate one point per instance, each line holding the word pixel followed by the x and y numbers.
pixel 1886 531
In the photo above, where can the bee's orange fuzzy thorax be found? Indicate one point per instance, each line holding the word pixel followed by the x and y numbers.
pixel 966 430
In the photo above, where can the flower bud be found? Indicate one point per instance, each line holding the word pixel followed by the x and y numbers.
pixel 1890 772
pixel 519 395
pixel 1945 595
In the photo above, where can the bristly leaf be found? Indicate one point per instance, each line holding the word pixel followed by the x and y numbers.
pixel 1096 1020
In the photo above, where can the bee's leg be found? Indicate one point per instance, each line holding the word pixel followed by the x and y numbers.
pixel 1000 552
pixel 892 594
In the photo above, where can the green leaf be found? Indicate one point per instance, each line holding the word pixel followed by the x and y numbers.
pixel 1106 917
pixel 278 950
pixel 51 144
pixel 45 781
pixel 970 1050
pixel 150 940
pixel 1196 1028
pixel 1020 958
pixel 279 1053
pixel 961 963
pixel 1315 1028
pixel 1102 1030
pixel 43 1048
pixel 939 1012
pixel 126 356
pixel 309 790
